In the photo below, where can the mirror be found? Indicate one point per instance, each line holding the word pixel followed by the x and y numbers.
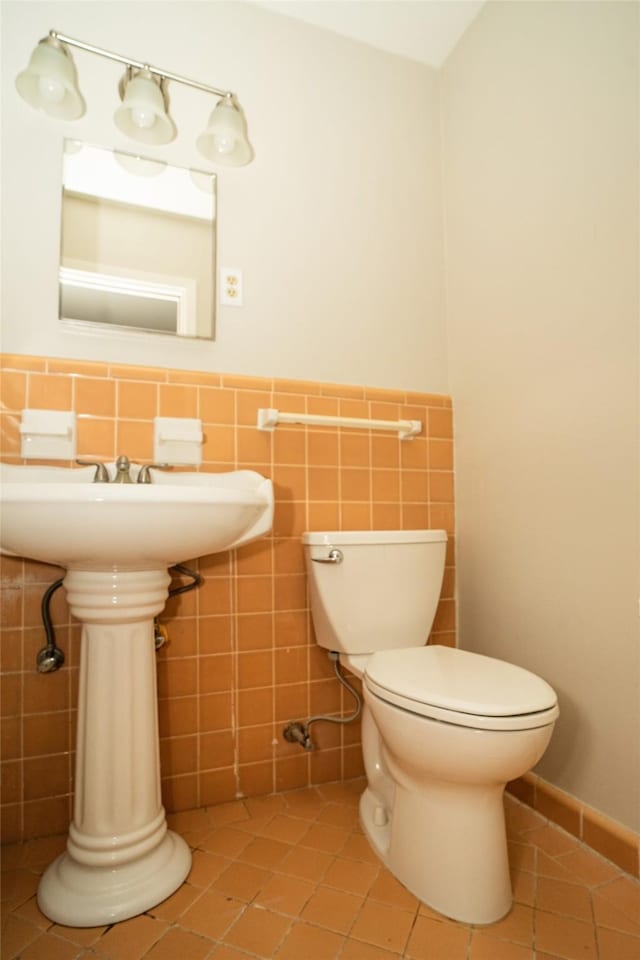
pixel 138 244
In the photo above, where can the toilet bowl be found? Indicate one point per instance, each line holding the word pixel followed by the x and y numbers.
pixel 443 730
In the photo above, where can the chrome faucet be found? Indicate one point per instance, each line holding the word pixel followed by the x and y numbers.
pixel 123 470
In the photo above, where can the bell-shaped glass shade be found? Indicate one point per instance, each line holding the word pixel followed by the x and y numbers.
pixel 142 115
pixel 225 139
pixel 49 82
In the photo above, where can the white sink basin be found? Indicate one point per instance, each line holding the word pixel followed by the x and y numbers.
pixel 58 515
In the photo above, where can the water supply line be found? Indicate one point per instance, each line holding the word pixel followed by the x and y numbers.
pixel 160 634
pixel 51 657
pixel 298 731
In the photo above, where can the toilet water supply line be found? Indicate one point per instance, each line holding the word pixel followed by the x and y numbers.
pixel 51 657
pixel 298 730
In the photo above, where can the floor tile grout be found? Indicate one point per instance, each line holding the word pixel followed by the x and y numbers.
pixel 308 845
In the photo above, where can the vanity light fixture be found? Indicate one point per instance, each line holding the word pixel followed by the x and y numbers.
pixel 49 84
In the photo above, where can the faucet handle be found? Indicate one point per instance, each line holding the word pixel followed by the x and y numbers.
pixel 101 475
pixel 144 475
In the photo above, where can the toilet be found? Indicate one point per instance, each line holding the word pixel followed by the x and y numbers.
pixel 443 730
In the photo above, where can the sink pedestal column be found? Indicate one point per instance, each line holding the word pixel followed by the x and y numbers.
pixel 120 858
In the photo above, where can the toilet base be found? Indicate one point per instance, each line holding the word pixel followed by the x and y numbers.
pixel 447 845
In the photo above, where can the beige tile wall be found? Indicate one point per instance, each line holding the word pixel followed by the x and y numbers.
pixel 241 660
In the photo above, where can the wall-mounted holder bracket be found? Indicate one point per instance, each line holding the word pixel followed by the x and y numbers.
pixel 177 440
pixel 48 435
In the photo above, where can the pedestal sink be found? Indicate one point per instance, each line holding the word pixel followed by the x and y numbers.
pixel 117 542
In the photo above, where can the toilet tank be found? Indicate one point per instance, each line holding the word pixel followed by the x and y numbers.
pixel 383 593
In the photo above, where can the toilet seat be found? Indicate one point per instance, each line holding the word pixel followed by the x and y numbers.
pixel 459 687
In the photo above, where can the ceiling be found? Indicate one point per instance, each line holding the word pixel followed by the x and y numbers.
pixel 423 30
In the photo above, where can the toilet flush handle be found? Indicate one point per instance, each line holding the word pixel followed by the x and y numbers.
pixel 335 556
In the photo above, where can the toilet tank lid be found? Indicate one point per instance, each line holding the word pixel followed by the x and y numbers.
pixel 330 537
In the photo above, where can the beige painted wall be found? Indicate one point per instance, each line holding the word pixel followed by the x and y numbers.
pixel 336 224
pixel 540 121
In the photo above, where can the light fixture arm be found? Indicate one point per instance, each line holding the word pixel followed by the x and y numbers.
pixel 139 65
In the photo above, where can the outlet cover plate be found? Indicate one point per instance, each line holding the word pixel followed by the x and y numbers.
pixel 230 287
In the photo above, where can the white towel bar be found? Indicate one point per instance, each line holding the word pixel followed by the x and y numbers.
pixel 268 419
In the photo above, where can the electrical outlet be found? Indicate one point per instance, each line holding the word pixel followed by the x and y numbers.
pixel 230 287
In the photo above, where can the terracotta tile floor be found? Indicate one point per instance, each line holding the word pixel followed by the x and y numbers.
pixel 291 877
